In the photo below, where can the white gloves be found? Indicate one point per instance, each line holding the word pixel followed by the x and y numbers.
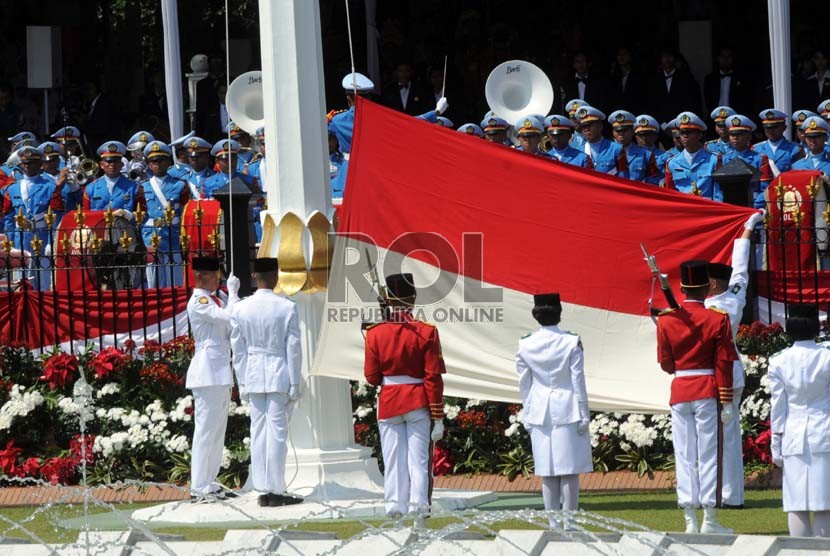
pixel 437 430
pixel 294 392
pixel 775 448
pixel 754 220
pixel 442 105
pixel 584 418
pixel 726 413
pixel 233 286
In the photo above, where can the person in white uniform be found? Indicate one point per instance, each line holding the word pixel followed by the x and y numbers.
pixel 799 383
pixel 267 359
pixel 555 399
pixel 209 375
pixel 727 292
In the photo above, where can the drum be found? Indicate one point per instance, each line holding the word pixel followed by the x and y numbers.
pixel 202 231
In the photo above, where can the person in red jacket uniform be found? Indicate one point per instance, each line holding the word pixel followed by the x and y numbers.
pixel 695 345
pixel 403 357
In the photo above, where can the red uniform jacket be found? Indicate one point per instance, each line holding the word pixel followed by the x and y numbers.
pixel 694 337
pixel 407 347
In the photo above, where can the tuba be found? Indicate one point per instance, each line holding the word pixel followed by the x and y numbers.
pixel 518 88
pixel 244 101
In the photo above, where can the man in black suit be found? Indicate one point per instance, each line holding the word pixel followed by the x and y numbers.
pixel 727 86
pixel 626 86
pixel 586 85
pixel 673 90
pixel 810 92
pixel 102 120
pixel 402 94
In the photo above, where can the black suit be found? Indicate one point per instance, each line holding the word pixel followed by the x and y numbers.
pixel 741 93
pixel 414 101
pixel 596 91
pixel 102 124
pixel 668 103
pixel 806 93
pixel 628 94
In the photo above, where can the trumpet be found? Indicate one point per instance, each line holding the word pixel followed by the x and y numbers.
pixel 137 168
pixel 80 170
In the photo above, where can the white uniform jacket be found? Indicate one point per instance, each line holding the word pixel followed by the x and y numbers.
pixel 265 337
pixel 733 300
pixel 551 377
pixel 799 382
pixel 210 324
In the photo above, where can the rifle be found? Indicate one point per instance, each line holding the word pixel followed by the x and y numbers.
pixel 663 278
pixel 381 289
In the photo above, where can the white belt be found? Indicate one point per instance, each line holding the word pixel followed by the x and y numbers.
pixel 265 351
pixel 694 372
pixel 401 379
pixel 201 345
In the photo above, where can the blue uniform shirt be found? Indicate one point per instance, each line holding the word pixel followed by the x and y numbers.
pixel 684 176
pixel 342 126
pixel 784 155
pixel 642 165
pixel 570 155
pixel 219 179
pixel 717 146
pixel 608 157
pixel 176 194
pixel 125 194
pixel 40 192
pixel 812 161
pixel 761 163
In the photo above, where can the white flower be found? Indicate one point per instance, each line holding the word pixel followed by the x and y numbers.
pixel 243 409
pixel 451 411
pixel 19 404
pixel 226 458
pixel 635 431
pixel 625 446
pixel 362 389
pixel 363 411
pixel 177 444
pixel 473 403
pixel 179 413
pixel 246 441
pixel 107 389
pixel 512 429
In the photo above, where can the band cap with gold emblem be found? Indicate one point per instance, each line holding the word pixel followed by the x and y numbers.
pixel 573 106
pixel 556 124
pixel 471 129
pixel 772 117
pixel 51 150
pixel 824 108
pixel 588 114
pixel 400 286
pixel 493 124
pixel 29 154
pixel 646 123
pixel 112 149
pixel 799 116
pixel 156 149
pixel 529 125
pixel 693 274
pixel 444 122
pixel 719 114
pixel 621 119
pixel 815 126
pixel 260 133
pixel 196 145
pixel 139 140
pixel 66 134
pixel 224 147
pixel 690 121
pixel 357 81
pixel 205 263
pixel 740 124
pixel 22 136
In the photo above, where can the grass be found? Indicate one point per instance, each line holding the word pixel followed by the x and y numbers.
pixel 763 515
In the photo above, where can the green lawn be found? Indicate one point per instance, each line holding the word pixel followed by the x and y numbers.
pixel 763 515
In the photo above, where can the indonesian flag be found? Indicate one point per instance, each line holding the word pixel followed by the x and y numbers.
pixel 482 228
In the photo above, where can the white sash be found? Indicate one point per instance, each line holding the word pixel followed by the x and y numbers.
pixel 155 183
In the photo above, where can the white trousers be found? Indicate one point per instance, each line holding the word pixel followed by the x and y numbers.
pixel 695 438
pixel 269 436
pixel 210 418
pixel 733 456
pixel 405 441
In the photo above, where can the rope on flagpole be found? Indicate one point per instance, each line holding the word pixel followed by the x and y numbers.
pixel 351 46
pixel 230 157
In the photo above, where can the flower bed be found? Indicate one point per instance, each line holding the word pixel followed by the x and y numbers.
pixel 141 424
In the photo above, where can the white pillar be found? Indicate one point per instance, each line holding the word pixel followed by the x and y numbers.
pixel 172 67
pixel 779 46
pixel 297 181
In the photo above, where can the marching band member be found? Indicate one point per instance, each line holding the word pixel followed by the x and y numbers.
pixel 740 136
pixel 268 360
pixel 471 129
pixel 113 189
pixel 690 171
pixel 495 129
pixel 695 345
pixel 199 170
pixel 727 292
pixel 246 152
pixel 606 156
pixel 799 383
pixel 720 145
pixel 225 152
pixel 555 400
pixel 209 375
pixel 256 168
pixel 529 129
pixel 403 356
pixel 646 132
pixel 782 153
pixel 163 194
pixel 642 164
pixel 560 131
pixel 815 136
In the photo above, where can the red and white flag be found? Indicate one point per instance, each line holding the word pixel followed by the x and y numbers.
pixel 483 227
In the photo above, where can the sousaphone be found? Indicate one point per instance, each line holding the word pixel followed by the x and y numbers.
pixel 517 88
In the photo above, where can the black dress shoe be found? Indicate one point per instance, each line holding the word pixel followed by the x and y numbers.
pixel 731 507
pixel 263 501
pixel 276 500
pixel 230 494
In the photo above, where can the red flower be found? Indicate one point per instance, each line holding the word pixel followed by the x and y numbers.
pixel 150 347
pixel 129 345
pixel 361 432
pixel 441 460
pixel 159 374
pixel 31 468
pixel 59 369
pixel 179 344
pixel 8 459
pixel 75 448
pixel 472 419
pixel 59 471
pixel 109 361
pixel 514 408
pixel 758 448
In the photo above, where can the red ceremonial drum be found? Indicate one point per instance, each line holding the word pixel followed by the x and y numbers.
pixel 201 230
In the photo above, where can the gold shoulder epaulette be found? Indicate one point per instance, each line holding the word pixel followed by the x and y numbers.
pixel 332 114
pixel 665 312
pixel 373 325
pixel 203 300
pixel 718 310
